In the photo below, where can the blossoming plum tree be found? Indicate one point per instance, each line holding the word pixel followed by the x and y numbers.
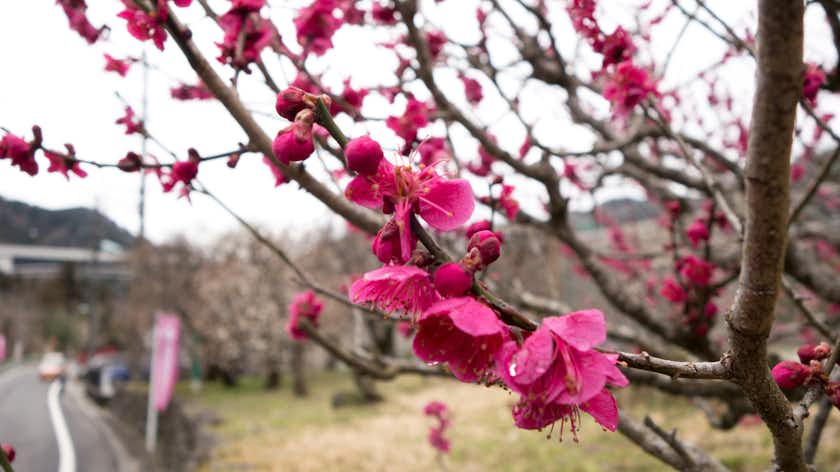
pixel 724 180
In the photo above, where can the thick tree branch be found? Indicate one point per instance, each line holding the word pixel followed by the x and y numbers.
pixel 779 84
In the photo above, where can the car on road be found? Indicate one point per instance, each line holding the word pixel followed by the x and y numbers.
pixel 51 366
pixel 104 375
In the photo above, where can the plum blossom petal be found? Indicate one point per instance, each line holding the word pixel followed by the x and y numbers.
pixel 448 204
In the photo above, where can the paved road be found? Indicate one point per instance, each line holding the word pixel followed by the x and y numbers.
pixel 62 437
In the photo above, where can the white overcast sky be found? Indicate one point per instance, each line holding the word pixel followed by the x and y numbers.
pixel 52 78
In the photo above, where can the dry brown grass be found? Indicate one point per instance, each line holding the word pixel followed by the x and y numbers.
pixel 274 431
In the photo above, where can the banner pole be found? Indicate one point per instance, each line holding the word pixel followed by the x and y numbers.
pixel 151 409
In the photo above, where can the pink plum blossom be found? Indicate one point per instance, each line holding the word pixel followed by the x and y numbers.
pixel 407 289
pixel 133 125
pixel 557 371
pixel 695 270
pixel 65 164
pixel 120 66
pixel 672 291
pixel 246 34
pixel 146 25
pixel 814 79
pixel 414 118
pixel 76 11
pixel 462 332
pixel 304 305
pixel 697 232
pixel 316 24
pixel 445 204
pixel 21 153
pixel 627 87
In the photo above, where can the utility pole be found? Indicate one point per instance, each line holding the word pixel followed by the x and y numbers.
pixel 144 115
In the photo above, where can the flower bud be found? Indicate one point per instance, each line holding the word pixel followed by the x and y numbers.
pixel 480 225
pixel 9 450
pixel 809 352
pixel 290 102
pixel 488 246
pixel 294 143
pixel 387 245
pixel 452 279
pixel 789 374
pixel 130 163
pixel 363 155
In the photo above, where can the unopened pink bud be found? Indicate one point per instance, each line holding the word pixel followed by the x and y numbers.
pixel 488 246
pixel 130 163
pixel 476 227
pixel 789 374
pixel 809 352
pixel 9 450
pixel 363 155
pixel 293 143
pixel 452 279
pixel 290 102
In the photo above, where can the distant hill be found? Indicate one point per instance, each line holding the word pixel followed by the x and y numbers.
pixel 621 210
pixel 76 227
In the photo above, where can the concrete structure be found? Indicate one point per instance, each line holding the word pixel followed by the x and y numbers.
pixel 39 262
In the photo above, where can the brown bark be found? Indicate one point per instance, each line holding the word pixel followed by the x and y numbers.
pixel 778 87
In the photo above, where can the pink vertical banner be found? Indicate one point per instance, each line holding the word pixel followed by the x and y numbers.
pixel 2 348
pixel 167 332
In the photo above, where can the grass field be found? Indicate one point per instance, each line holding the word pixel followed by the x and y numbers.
pixel 275 431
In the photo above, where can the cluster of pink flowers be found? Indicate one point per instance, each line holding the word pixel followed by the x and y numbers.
pixel 438 411
pixel 76 11
pixel 246 34
pixel 317 23
pixel 814 79
pixel 627 84
pixel 445 204
pixel 505 201
pixel 181 172
pixel 198 91
pixel 809 370
pixel 146 25
pixel 691 293
pixel 556 369
pixel 354 98
pixel 21 153
pixel 294 143
pixel 414 118
pixel 304 305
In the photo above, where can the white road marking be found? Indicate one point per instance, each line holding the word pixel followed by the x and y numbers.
pixel 66 451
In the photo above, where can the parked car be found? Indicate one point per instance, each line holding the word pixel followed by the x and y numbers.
pixel 104 375
pixel 51 366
